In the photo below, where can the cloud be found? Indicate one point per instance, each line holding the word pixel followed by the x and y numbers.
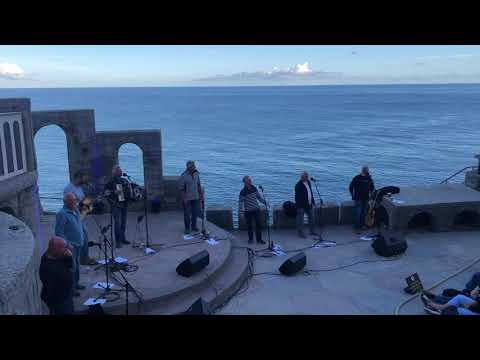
pixel 439 57
pixel 298 73
pixel 11 71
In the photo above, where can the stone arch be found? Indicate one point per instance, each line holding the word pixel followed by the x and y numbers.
pixel 79 129
pixel 422 220
pixel 149 141
pixel 138 177
pixel 466 218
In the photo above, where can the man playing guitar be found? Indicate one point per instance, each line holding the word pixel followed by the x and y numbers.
pixel 75 188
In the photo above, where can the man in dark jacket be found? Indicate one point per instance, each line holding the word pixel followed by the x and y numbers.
pixel 361 187
pixel 305 204
pixel 114 191
pixel 56 276
pixel 250 209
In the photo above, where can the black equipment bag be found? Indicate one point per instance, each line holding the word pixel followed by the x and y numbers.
pixel 388 243
pixel 290 209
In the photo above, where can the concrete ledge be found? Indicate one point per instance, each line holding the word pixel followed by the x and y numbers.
pixel 19 281
pixel 346 213
pixel 263 220
pixel 281 220
pixel 472 179
pixel 222 216
pixel 327 214
pixel 171 194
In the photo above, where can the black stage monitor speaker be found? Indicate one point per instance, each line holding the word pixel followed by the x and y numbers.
pixel 199 307
pixel 389 243
pixel 294 264
pixel 193 264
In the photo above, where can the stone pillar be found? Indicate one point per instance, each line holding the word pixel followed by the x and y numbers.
pixel 281 220
pixel 346 213
pixel 221 216
pixel 327 214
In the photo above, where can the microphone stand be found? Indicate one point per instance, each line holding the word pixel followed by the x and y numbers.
pixel 321 203
pixel 148 250
pixel 270 242
pixel 127 287
pixel 205 234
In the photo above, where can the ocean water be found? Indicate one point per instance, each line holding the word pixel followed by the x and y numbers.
pixel 406 134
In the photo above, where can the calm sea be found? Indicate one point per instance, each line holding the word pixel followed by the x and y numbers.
pixel 407 134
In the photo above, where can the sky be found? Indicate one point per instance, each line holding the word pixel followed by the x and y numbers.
pixel 221 65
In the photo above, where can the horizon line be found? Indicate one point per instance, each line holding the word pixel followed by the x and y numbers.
pixel 233 85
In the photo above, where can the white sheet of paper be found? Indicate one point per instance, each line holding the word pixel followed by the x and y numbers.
pixel 212 241
pixel 278 252
pixel 101 262
pixel 102 285
pixel 120 260
pixel 277 247
pixel 396 201
pixel 366 238
pixel 92 301
pixel 149 251
pixel 187 237
pixel 325 244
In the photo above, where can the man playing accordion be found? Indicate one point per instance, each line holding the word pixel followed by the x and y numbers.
pixel 117 192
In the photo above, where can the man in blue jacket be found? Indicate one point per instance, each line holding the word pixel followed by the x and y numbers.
pixel 69 226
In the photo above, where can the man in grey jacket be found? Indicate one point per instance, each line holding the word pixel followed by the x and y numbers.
pixel 191 192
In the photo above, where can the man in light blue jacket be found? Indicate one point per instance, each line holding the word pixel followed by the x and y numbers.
pixel 69 226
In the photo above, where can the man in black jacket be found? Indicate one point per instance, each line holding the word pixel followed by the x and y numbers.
pixel 117 198
pixel 56 276
pixel 361 187
pixel 305 204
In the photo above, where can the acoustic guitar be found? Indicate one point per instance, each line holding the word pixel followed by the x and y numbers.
pixel 370 217
pixel 85 206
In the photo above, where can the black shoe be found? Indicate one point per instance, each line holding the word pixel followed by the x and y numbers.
pixel 118 245
pixel 261 242
pixel 125 242
pixel 301 234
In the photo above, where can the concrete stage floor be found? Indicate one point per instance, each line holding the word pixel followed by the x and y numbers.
pixel 363 289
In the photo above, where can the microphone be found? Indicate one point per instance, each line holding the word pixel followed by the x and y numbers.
pixel 312 179
pixel 260 187
pixel 105 228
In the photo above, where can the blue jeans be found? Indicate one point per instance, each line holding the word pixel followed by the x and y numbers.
pixel 120 220
pixel 360 211
pixel 300 219
pixel 460 300
pixel 76 264
pixel 191 211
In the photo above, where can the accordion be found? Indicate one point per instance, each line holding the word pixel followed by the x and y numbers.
pixel 127 191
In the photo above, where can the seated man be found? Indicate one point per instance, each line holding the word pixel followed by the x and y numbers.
pixel 56 276
pixel 450 293
pixel 463 305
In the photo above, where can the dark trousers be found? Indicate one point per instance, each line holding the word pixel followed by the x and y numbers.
pixel 120 220
pixel 84 252
pixel 65 308
pixel 300 219
pixel 360 211
pixel 253 215
pixel 191 211
pixel 76 252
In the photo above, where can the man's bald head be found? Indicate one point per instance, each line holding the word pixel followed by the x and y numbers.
pixel 304 176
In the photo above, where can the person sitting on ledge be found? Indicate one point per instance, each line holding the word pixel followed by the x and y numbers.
pixel 448 294
pixel 305 204
pixel 56 277
pixel 361 187
pixel 458 305
pixel 249 208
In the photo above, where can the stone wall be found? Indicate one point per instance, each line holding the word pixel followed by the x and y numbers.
pixel 19 261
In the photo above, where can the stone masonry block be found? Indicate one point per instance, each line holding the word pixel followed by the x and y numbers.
pixel 222 216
